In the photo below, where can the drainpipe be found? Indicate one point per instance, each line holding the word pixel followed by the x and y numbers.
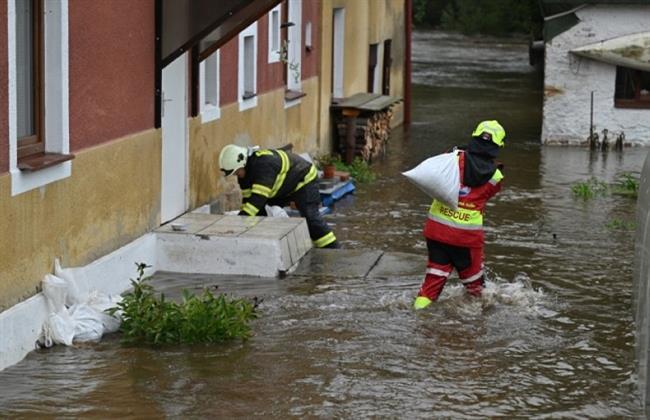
pixel 408 22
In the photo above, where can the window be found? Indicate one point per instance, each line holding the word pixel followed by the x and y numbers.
pixel 373 54
pixel 388 60
pixel 209 94
pixel 632 88
pixel 29 76
pixel 274 34
pixel 247 69
pixel 39 137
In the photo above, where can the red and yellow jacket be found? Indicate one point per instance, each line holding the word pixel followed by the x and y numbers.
pixel 464 226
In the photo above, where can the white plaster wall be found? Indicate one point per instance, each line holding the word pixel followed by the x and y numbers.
pixel 569 80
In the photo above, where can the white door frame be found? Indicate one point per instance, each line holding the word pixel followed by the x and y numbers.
pixel 174 166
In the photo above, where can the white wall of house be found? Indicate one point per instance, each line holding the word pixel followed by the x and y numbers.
pixel 570 79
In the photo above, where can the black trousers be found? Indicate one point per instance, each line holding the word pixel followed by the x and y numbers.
pixel 307 200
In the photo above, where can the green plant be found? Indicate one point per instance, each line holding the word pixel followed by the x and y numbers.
pixel 294 67
pixel 627 185
pixel 151 319
pixel 327 159
pixel 589 189
pixel 358 169
pixel 618 224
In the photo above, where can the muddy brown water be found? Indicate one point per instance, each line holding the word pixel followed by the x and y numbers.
pixel 552 336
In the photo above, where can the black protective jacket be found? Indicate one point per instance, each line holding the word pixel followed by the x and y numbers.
pixel 272 175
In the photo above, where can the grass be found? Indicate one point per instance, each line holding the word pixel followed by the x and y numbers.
pixel 149 318
pixel 626 185
pixel 618 224
pixel 589 189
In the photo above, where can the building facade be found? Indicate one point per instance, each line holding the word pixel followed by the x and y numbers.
pixel 100 145
pixel 585 89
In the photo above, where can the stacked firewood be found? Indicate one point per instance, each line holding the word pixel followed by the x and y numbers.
pixel 371 134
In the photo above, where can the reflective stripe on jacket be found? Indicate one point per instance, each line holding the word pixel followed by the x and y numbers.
pixel 464 226
pixel 273 174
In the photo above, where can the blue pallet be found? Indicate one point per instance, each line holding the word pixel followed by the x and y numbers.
pixel 336 191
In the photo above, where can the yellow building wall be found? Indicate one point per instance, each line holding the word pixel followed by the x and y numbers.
pixel 366 22
pixel 268 124
pixel 111 198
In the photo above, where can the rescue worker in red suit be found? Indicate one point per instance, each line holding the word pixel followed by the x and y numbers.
pixel 455 237
pixel 277 177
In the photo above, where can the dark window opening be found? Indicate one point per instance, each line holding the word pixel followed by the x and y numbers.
pixel 388 60
pixel 372 65
pixel 632 88
pixel 29 77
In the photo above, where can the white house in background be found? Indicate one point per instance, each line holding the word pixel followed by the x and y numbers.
pixel 600 48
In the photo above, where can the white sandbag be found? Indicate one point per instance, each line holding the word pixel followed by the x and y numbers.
pixel 438 177
pixel 101 302
pixel 76 281
pixel 275 211
pixel 87 321
pixel 76 314
pixel 55 290
pixel 58 329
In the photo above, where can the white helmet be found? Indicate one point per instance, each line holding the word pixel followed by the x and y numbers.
pixel 232 157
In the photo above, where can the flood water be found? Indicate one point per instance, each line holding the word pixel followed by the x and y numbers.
pixel 551 337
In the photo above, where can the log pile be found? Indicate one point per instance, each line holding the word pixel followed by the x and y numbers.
pixel 371 134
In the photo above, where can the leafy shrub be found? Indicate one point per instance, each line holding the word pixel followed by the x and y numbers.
pixel 151 319
pixel 358 169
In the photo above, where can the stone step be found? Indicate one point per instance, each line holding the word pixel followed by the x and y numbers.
pixel 224 244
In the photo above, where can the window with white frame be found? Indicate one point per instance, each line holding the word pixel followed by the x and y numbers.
pixel 38 93
pixel 274 34
pixel 209 93
pixel 247 69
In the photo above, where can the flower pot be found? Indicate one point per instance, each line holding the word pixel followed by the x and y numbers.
pixel 328 171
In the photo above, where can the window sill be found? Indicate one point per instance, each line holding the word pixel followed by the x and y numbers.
pixel 248 95
pixel 42 160
pixel 292 95
pixel 631 103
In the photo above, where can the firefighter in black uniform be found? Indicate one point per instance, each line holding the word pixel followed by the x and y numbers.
pixel 276 177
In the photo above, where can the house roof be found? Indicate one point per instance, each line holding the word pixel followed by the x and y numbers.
pixel 559 15
pixel 554 7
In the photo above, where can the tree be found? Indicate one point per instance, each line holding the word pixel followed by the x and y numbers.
pixel 494 17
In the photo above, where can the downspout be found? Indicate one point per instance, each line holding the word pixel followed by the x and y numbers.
pixel 408 22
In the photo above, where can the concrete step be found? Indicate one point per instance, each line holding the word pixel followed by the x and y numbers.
pixel 222 244
pixel 364 263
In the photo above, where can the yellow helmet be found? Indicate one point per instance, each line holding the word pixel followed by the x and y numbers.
pixel 494 129
pixel 232 157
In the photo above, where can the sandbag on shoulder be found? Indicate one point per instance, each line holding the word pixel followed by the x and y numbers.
pixel 438 177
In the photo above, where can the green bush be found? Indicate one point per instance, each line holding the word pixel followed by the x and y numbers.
pixel 149 318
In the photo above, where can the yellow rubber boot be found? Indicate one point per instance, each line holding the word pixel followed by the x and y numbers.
pixel 421 302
